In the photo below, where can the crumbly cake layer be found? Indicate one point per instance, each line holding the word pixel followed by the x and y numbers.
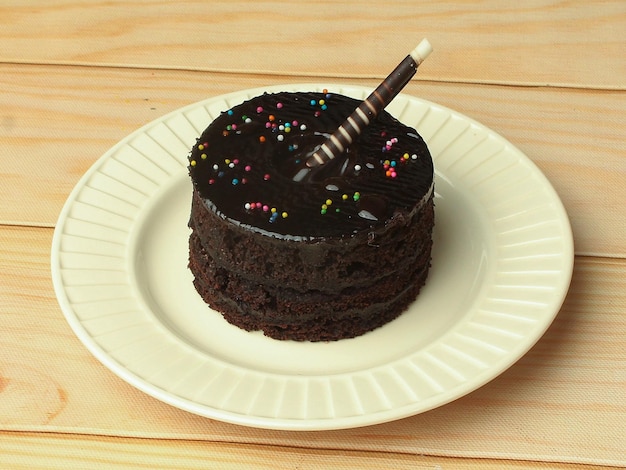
pixel 288 307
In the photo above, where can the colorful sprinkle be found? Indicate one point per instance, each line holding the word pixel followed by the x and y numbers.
pixel 262 139
pixel 192 163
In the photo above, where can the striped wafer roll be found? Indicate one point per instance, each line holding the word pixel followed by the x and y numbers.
pixel 369 109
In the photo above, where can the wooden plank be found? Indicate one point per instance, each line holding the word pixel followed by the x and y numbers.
pixel 55 450
pixel 575 374
pixel 479 42
pixel 56 121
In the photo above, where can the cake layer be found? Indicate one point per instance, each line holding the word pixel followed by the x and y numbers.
pixel 284 313
pixel 327 265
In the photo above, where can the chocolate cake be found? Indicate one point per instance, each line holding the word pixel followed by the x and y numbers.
pixel 334 255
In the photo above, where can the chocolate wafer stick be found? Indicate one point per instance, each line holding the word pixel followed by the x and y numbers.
pixel 369 109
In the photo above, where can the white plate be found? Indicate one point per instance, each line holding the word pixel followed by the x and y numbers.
pixel 502 263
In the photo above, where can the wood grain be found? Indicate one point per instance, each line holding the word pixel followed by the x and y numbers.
pixel 56 121
pixel 53 451
pixel 574 375
pixel 479 42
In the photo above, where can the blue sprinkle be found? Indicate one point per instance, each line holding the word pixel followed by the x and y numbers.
pixel 235 181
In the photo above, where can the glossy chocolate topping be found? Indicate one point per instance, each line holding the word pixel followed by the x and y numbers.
pixel 243 166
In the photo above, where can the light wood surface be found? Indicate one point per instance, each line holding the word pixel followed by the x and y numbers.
pixel 76 77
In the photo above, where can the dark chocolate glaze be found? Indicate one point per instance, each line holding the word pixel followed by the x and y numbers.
pixel 250 154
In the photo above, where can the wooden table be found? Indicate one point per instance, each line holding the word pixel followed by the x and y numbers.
pixel 76 77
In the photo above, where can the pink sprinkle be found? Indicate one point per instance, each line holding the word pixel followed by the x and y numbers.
pixel 211 181
pixel 236 161
pixel 244 180
pixel 279 105
pixel 268 125
pixel 266 208
pixel 248 168
pixel 259 109
pixel 266 176
pixel 234 127
pixel 294 123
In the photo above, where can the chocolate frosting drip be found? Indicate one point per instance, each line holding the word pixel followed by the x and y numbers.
pixel 243 167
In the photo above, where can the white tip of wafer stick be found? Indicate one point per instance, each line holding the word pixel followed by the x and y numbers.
pixel 422 51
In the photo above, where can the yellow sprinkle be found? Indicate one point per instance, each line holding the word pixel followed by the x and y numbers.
pixel 285 215
pixel 273 210
pixel 203 156
pixel 192 163
pixel 227 161
pixel 322 102
pixel 200 147
pixel 344 197
pixel 329 202
pixel 324 207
